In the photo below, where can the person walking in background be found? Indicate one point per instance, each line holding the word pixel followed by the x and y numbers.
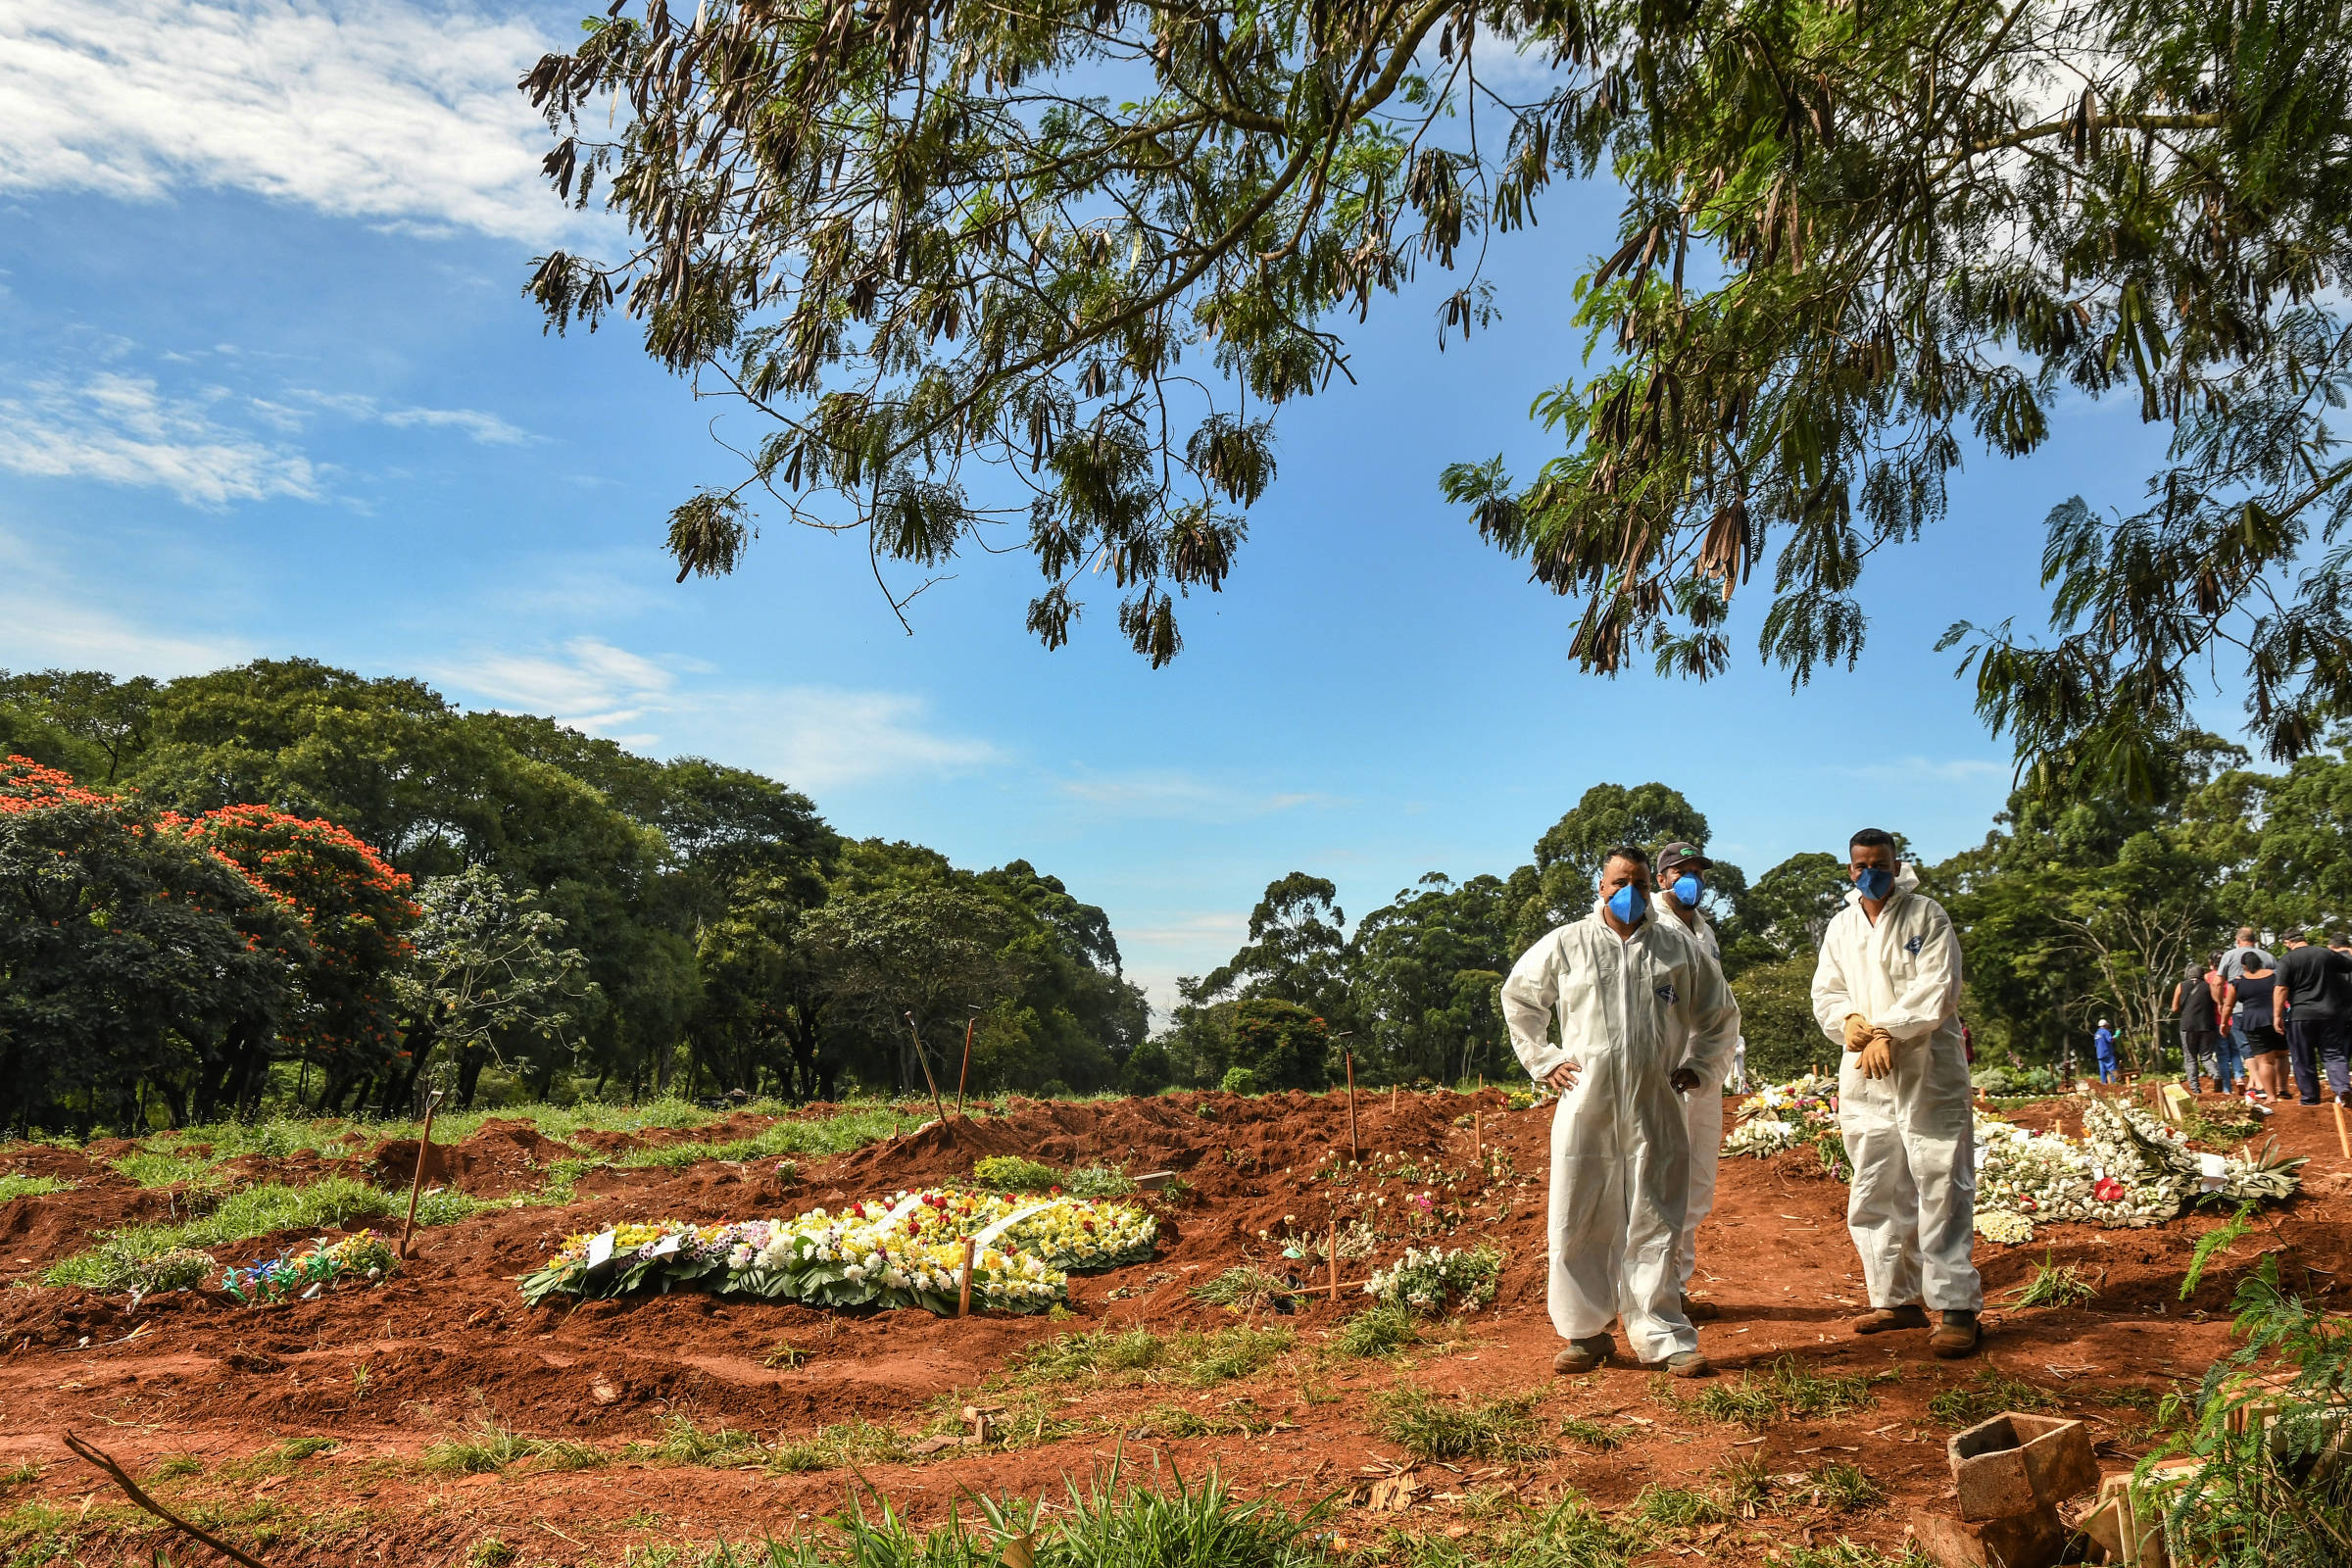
pixel 1681 881
pixel 2232 963
pixel 1888 989
pixel 2253 1000
pixel 2315 994
pixel 1640 1006
pixel 2102 1043
pixel 2193 1003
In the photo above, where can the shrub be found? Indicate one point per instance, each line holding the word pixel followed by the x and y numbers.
pixel 1239 1081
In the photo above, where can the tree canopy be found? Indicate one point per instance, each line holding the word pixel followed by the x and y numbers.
pixel 1049 271
pixel 548 914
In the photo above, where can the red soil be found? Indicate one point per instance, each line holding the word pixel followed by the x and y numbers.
pixel 448 1344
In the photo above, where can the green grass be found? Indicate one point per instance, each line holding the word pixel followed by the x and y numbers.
pixel 485 1450
pixel 1590 1433
pixel 1786 1390
pixel 1098 1352
pixel 162 1167
pixel 15 1186
pixel 332 1204
pixel 1173 1422
pixel 1845 1488
pixel 834 1134
pixel 22 1475
pixel 1844 1553
pixel 1381 1330
pixel 2054 1285
pixel 838 1446
pixel 1240 1285
pixel 1570 1534
pixel 1678 1507
pixel 1011 1173
pixel 1229 1354
pixel 1432 1429
pixel 1985 1396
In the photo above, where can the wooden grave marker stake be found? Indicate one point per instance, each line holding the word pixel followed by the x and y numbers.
pixel 963 1297
pixel 1355 1150
pixel 2343 1141
pixel 425 1141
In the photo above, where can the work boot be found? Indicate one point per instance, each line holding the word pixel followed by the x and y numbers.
pixel 1583 1355
pixel 1957 1336
pixel 1688 1364
pixel 1700 1311
pixel 1880 1319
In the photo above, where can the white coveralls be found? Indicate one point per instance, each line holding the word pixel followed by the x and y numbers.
pixel 1703 1115
pixel 1631 1012
pixel 1910 1135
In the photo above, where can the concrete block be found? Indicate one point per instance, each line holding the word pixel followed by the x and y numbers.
pixel 2016 1462
pixel 2031 1540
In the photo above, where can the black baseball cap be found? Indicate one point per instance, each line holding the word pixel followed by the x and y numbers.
pixel 1674 857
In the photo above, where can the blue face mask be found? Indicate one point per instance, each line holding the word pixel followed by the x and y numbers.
pixel 1686 890
pixel 1876 882
pixel 1626 904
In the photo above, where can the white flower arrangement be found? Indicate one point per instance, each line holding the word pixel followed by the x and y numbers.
pixel 1425 1280
pixel 907 1252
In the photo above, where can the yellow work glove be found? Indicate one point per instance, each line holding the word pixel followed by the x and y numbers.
pixel 1857 1031
pixel 1878 1057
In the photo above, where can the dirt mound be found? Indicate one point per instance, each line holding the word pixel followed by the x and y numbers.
pixel 502 1159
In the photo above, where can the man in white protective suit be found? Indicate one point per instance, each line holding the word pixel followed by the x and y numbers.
pixel 1640 1008
pixel 1682 879
pixel 1888 989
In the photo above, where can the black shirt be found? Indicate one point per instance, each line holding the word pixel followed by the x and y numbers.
pixel 2197 1004
pixel 2318 981
pixel 2254 1002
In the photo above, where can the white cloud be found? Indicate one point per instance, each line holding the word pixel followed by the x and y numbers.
pixel 122 430
pixel 1950 770
pixel 43 625
pixel 389 112
pixel 485 429
pixel 1181 794
pixel 815 738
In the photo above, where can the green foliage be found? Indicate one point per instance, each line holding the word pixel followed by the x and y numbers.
pixel 2220 1239
pixel 1776 1018
pixel 1430 1428
pixel 1985 1396
pixel 2278 1493
pixel 1568 855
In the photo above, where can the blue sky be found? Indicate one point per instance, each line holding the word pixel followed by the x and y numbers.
pixel 268 386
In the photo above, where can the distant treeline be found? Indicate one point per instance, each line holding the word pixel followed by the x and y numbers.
pixel 284 879
pixel 2075 907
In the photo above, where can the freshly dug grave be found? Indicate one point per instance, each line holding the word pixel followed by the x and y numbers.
pixel 446 1348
